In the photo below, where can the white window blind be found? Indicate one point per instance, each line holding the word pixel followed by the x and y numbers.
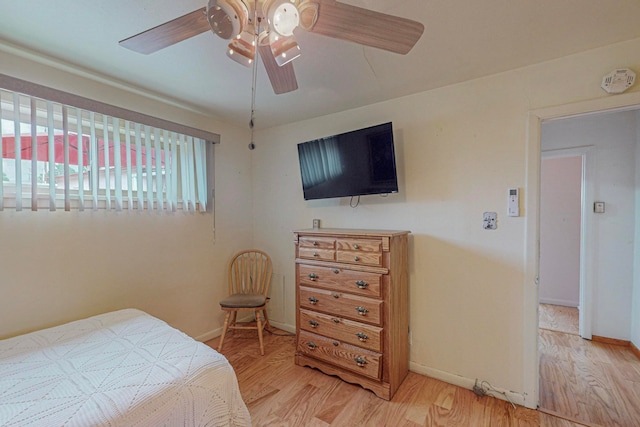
pixel 59 156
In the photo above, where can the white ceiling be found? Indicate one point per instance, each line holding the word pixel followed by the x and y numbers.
pixel 463 39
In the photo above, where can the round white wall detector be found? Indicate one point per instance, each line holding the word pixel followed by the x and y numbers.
pixel 618 81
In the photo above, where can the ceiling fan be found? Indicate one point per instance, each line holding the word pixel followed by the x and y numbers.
pixel 269 25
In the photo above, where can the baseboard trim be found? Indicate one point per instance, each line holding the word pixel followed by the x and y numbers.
pixel 565 303
pixel 635 350
pixel 209 335
pixel 215 333
pixel 613 341
pixel 283 326
pixel 468 383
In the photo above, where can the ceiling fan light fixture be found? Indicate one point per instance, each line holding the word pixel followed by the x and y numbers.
pixel 284 49
pixel 283 16
pixel 242 48
pixel 227 18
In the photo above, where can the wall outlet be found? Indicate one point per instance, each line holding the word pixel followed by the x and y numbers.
pixel 479 390
pixel 489 220
pixel 316 223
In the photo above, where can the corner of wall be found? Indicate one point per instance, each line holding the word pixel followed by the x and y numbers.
pixel 635 299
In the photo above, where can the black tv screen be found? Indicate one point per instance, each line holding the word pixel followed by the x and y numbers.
pixel 349 164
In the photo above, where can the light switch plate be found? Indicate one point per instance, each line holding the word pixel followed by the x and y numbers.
pixel 598 207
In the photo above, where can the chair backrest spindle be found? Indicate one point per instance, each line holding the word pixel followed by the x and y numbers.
pixel 250 273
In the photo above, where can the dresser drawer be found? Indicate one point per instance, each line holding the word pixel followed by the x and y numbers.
pixel 339 279
pixel 340 304
pixel 362 245
pixel 349 357
pixel 363 258
pixel 359 251
pixel 348 331
pixel 317 242
pixel 319 254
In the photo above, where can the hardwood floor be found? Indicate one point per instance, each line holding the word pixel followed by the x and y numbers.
pixel 590 382
pixel 559 318
pixel 279 393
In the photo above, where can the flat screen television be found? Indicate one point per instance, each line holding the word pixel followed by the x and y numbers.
pixel 354 163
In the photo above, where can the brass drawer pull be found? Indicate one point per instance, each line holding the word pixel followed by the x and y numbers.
pixel 356 259
pixel 356 246
pixel 315 243
pixel 313 276
pixel 336 320
pixel 313 323
pixel 336 296
pixel 311 345
pixel 360 361
pixel 313 300
pixel 362 337
pixel 361 284
pixel 362 311
pixel 316 254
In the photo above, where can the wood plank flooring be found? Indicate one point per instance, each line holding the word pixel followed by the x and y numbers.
pixel 590 382
pixel 279 393
pixel 559 318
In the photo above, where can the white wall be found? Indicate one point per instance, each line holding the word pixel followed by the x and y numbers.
pixel 560 211
pixel 635 305
pixel 612 137
pixel 459 149
pixel 60 266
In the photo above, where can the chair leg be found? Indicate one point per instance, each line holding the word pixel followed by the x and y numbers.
pixel 266 319
pixel 224 329
pixel 233 318
pixel 260 327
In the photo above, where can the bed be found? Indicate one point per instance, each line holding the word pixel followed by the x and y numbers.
pixel 124 368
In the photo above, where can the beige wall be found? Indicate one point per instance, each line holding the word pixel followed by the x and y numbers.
pixel 459 149
pixel 61 266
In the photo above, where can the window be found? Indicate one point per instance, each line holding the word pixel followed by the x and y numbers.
pixel 56 156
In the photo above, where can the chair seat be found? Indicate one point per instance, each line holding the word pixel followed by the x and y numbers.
pixel 243 300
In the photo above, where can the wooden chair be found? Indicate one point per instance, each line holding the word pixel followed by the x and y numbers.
pixel 249 280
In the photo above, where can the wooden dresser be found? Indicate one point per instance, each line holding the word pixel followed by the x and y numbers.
pixel 352 305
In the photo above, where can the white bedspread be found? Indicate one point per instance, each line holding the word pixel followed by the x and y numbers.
pixel 124 368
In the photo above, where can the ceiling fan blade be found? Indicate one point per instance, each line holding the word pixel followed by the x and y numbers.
pixel 169 33
pixel 359 25
pixel 283 79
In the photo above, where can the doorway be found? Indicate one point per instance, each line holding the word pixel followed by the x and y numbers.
pixel 591 266
pixel 609 141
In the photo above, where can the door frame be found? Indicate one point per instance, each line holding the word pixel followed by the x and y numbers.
pixel 532 223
